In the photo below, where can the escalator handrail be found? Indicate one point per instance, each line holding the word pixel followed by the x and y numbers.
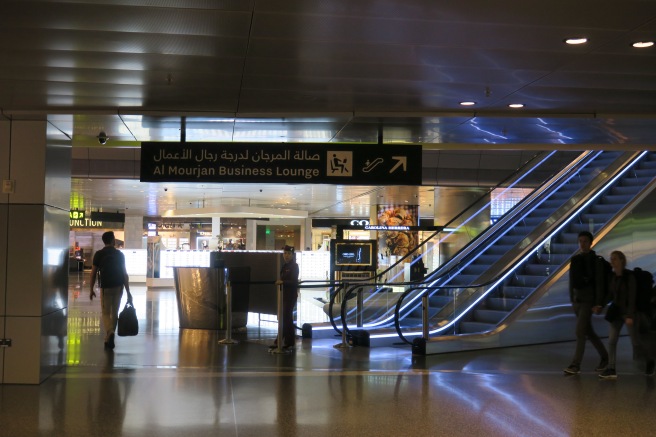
pixel 596 185
pixel 630 163
pixel 623 163
pixel 546 285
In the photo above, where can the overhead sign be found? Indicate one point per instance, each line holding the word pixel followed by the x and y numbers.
pixel 117 217
pixel 78 219
pixel 328 223
pixel 327 163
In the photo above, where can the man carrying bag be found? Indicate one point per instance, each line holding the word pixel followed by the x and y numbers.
pixel 110 263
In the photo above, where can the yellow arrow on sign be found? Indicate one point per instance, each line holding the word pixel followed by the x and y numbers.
pixel 400 161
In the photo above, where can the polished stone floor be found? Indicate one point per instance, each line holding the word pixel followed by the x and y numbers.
pixel 172 382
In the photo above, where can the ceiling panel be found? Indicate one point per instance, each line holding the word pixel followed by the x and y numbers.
pixel 325 71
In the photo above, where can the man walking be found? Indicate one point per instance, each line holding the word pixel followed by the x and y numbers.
pixel 587 284
pixel 110 262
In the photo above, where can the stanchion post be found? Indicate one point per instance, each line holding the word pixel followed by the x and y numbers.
pixel 424 315
pixel 359 315
pixel 279 349
pixel 228 339
pixel 344 344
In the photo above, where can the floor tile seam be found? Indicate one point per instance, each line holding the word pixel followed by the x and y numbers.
pixel 146 372
pixel 188 372
pixel 191 373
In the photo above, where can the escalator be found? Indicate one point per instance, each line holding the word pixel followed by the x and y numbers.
pixel 377 311
pixel 379 302
pixel 492 283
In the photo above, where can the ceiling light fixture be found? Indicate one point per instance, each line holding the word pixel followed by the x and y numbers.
pixel 467 103
pixel 576 41
pixel 642 44
pixel 516 105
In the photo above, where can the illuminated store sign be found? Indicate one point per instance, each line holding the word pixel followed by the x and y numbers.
pixel 152 229
pixel 173 226
pixel 388 228
pixel 78 219
pixel 328 223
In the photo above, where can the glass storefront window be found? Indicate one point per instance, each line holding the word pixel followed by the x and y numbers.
pixel 274 237
pixel 503 199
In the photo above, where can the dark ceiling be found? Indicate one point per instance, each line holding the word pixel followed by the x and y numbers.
pixel 348 71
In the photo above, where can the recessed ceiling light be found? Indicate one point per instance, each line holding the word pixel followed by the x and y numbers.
pixel 642 44
pixel 575 41
pixel 516 105
pixel 467 103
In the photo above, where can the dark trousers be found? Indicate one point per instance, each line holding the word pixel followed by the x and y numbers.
pixel 585 331
pixel 614 336
pixel 288 328
pixel 643 339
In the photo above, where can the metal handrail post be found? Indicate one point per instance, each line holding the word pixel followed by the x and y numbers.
pixel 424 315
pixel 359 311
pixel 344 344
pixel 228 339
pixel 279 349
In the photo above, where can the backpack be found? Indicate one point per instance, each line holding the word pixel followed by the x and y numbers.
pixel 606 268
pixel 644 285
pixel 606 272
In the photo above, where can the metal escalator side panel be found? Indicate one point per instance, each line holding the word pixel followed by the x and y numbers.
pixel 508 255
pixel 508 262
pixel 472 299
pixel 410 304
pixel 646 193
pixel 576 202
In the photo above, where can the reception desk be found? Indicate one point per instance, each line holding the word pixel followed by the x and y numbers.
pixel 201 296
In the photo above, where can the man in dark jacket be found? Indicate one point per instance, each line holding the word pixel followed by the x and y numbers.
pixel 110 263
pixel 587 281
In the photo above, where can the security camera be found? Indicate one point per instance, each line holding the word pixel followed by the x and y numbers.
pixel 102 138
pixel 166 189
pixel 260 190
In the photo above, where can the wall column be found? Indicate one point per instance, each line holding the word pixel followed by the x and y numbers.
pixel 216 233
pixel 34 229
pixel 133 230
pixel 306 229
pixel 451 201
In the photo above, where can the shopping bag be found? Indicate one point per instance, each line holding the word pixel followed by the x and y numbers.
pixel 127 321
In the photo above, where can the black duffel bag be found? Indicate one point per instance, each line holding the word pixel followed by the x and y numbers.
pixel 127 321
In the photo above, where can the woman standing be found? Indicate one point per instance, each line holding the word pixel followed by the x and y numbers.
pixel 622 289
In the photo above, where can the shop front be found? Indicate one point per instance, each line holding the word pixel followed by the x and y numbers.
pixel 85 238
pixel 325 229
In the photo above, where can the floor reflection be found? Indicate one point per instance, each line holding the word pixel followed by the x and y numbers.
pixel 171 382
